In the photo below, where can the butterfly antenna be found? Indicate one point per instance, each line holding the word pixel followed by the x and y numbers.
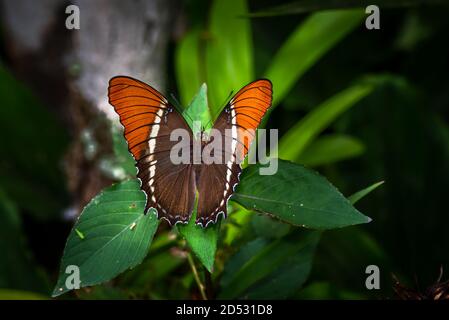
pixel 179 107
pixel 226 101
pixel 186 114
pixel 176 103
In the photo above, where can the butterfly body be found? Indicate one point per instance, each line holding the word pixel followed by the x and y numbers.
pixel 173 165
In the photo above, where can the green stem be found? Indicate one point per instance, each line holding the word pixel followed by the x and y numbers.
pixel 197 276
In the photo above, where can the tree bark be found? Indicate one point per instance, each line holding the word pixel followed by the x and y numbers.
pixel 70 69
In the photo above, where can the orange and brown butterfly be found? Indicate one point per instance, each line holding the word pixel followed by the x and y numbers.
pixel 149 119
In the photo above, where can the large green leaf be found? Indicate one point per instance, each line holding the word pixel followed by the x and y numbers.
pixel 308 43
pixel 187 58
pixel 329 149
pixel 259 265
pixel 229 51
pixel 111 235
pixel 298 196
pixel 202 241
pixel 293 143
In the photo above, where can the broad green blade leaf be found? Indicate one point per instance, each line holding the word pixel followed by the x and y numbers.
pixel 187 59
pixel 298 196
pixel 260 260
pixel 202 241
pixel 362 193
pixel 308 43
pixel 229 51
pixel 329 149
pixel 117 236
pixel 290 275
pixel 240 258
pixel 199 111
pixel 298 7
pixel 293 143
pixel 7 294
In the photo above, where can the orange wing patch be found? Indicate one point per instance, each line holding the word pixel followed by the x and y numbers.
pixel 140 108
pixel 248 107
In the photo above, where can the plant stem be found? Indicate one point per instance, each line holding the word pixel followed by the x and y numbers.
pixel 209 284
pixel 197 276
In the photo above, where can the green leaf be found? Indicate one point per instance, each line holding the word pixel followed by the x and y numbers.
pixel 306 45
pixel 330 149
pixel 229 51
pixel 117 236
pixel 198 110
pixel 362 193
pixel 202 241
pixel 293 143
pixel 257 266
pixel 238 260
pixel 187 59
pixel 303 6
pixel 298 196
pixel 290 275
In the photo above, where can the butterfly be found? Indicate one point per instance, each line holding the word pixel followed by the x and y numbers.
pixel 149 120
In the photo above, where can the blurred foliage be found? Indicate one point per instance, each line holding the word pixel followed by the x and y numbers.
pixel 34 142
pixel 357 106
